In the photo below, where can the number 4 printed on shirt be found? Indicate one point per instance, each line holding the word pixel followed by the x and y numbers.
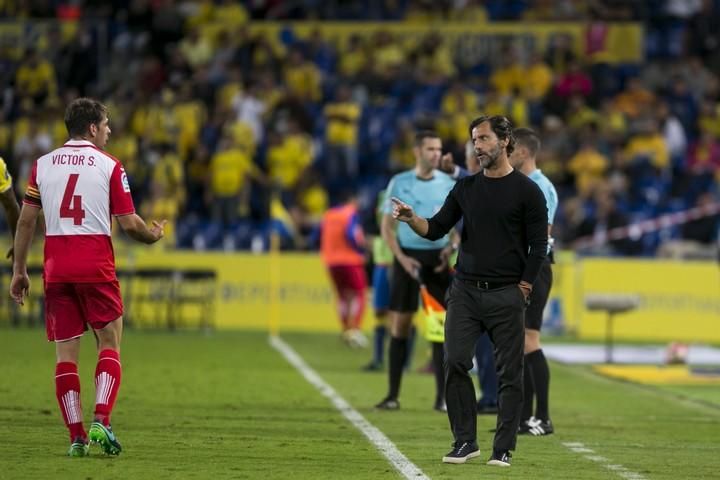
pixel 71 206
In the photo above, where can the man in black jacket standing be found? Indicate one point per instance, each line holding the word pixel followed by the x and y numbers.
pixel 504 243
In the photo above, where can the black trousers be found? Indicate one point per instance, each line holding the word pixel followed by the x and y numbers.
pixel 470 312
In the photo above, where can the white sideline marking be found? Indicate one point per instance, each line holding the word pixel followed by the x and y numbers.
pixel 401 463
pixel 578 447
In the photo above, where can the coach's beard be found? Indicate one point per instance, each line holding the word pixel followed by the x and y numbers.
pixel 488 160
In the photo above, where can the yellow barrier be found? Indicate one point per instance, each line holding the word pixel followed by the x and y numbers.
pixel 678 300
pixel 304 298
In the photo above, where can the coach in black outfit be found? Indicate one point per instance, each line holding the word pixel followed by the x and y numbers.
pixel 504 243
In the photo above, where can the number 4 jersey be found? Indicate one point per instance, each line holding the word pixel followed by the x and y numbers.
pixel 79 187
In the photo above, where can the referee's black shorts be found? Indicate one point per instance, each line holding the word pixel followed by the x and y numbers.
pixel 405 290
pixel 539 297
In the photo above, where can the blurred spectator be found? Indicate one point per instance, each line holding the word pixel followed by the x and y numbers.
pixel 673 133
pixel 646 147
pixel 229 171
pixel 35 78
pixel 303 79
pixel 573 82
pixel 288 156
pixel 588 166
pixel 635 99
pixel 342 118
pixel 704 155
pixel 458 107
pixel 509 75
pixel 195 48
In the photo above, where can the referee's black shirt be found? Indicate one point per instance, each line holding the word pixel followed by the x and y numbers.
pixel 505 227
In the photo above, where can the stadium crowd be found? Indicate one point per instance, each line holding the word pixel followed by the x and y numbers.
pixel 213 116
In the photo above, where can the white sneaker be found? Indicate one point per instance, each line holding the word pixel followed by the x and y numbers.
pixel 357 339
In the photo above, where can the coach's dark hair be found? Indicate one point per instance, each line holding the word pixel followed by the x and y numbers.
pixel 500 125
pixel 81 113
pixel 422 135
pixel 528 139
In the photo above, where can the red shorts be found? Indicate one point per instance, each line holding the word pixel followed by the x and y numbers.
pixel 349 277
pixel 71 307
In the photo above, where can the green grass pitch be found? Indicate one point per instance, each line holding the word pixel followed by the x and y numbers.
pixel 228 406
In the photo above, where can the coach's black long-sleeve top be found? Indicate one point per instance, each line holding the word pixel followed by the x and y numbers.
pixel 505 227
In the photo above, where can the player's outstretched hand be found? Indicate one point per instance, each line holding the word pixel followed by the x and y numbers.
pixel 19 287
pixel 401 211
pixel 158 229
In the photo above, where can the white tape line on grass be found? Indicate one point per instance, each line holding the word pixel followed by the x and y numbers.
pixel 401 463
pixel 604 461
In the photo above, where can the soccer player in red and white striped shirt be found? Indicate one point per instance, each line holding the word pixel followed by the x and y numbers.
pixel 80 188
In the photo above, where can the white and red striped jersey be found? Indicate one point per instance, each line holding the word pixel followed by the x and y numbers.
pixel 79 187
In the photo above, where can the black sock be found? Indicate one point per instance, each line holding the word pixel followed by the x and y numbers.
pixel 528 390
pixel 438 356
pixel 410 348
pixel 398 352
pixel 541 381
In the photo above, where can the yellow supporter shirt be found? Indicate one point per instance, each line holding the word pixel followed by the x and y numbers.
pixel 304 81
pixel 588 166
pixel 582 117
pixel 169 175
pixel 36 80
pixel 452 104
pixel 163 125
pixel 288 159
pixel 243 137
pixel 342 130
pixel 653 146
pixel 710 123
pixel 189 116
pixel 5 178
pixel 352 62
pixel 505 80
pixel 388 57
pixel 228 172
pixel 231 14
pixel 538 80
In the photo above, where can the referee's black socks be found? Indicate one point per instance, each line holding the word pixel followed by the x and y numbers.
pixel 438 356
pixel 398 354
pixel 537 384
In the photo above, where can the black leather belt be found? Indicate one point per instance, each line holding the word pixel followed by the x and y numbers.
pixel 488 285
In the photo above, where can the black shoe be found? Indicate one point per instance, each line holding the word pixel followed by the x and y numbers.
pixel 440 406
pixel 373 367
pixel 462 452
pixel 500 458
pixel 487 409
pixel 388 404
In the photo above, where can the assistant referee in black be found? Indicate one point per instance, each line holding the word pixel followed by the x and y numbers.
pixel 503 246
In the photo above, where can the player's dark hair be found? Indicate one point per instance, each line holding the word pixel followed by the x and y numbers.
pixel 500 125
pixel 81 113
pixel 422 135
pixel 528 139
